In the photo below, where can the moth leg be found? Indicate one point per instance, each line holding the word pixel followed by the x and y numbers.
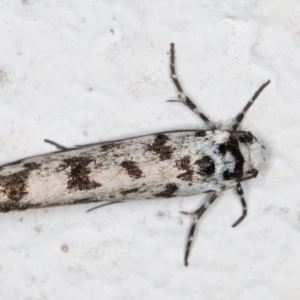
pixel 183 98
pixel 241 115
pixel 196 216
pixel 253 175
pixel 101 205
pixel 58 146
pixel 240 192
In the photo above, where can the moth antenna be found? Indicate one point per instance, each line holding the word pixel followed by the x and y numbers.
pixel 241 115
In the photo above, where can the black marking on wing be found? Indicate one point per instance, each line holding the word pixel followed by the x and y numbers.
pixel 187 176
pixel 15 185
pixel 168 192
pixel 125 192
pixel 183 163
pixel 200 133
pixel 159 147
pixel 132 169
pixel 79 173
pixel 206 166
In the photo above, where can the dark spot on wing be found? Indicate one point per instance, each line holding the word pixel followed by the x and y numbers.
pixel 184 163
pixel 187 176
pixel 159 147
pixel 107 147
pixel 168 192
pixel 85 200
pixel 14 185
pixel 31 166
pixel 206 166
pixel 132 169
pixel 98 166
pixel 200 133
pixel 79 174
pixel 125 192
pixel 11 205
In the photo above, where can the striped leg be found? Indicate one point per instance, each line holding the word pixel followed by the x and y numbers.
pixel 241 116
pixel 183 98
pixel 196 216
pixel 240 192
pixel 101 205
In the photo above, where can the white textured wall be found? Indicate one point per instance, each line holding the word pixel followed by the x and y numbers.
pixel 83 71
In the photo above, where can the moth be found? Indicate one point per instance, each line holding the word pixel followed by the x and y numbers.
pixel 161 165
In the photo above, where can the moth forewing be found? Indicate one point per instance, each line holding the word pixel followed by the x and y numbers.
pixel 159 165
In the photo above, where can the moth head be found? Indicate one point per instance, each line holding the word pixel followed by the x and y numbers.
pixel 253 151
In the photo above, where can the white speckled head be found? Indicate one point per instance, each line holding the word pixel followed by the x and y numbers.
pixel 256 151
pixel 253 153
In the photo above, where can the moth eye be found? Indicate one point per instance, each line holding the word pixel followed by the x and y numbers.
pixel 206 166
pixel 246 138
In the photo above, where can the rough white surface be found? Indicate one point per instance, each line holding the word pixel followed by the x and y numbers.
pixel 82 71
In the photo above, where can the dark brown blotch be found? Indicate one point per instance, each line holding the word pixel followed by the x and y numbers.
pixel 168 192
pixel 14 185
pixel 129 191
pixel 11 205
pixel 99 166
pixel 32 166
pixel 200 133
pixel 132 169
pixel 206 166
pixel 183 163
pixel 107 147
pixel 85 200
pixel 159 147
pixel 79 174
pixel 187 176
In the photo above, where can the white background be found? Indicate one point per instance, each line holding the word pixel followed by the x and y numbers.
pixel 85 71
